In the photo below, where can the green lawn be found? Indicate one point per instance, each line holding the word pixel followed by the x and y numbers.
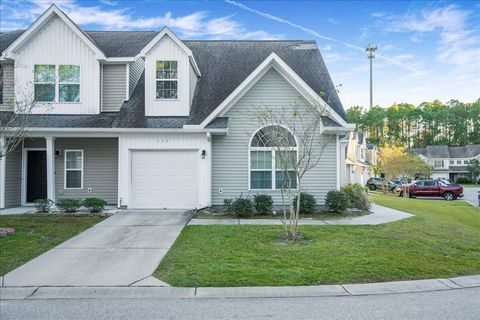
pixel 442 240
pixel 36 234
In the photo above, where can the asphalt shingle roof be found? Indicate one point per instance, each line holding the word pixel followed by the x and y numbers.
pixel 446 152
pixel 224 65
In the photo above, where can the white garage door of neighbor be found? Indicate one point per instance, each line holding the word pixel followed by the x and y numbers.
pixel 164 179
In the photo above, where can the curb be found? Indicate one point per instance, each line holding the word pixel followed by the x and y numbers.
pixel 157 292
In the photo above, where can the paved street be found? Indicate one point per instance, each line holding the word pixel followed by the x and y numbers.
pixel 450 304
pixel 120 250
pixel 471 195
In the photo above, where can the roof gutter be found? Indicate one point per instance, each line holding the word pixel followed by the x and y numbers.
pixel 118 130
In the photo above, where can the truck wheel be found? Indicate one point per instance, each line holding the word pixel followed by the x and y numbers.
pixel 448 196
pixel 372 187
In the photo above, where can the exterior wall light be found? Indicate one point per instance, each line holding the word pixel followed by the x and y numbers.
pixel 204 154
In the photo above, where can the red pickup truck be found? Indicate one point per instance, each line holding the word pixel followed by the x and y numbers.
pixel 433 188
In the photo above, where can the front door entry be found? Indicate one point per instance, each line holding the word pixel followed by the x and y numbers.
pixel 36 175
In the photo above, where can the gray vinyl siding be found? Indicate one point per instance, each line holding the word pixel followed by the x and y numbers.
pixel 100 168
pixel 13 178
pixel 114 86
pixel 8 83
pixel 34 143
pixel 192 84
pixel 230 152
pixel 136 70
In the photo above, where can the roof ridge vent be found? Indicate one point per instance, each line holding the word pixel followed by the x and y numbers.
pixel 305 46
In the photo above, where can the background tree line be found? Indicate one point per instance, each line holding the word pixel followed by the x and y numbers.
pixel 453 123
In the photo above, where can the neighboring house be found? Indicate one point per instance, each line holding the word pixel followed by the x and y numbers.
pixel 145 120
pixel 448 162
pixel 360 158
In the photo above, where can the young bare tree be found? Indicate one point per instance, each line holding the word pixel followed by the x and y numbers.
pixel 295 134
pixel 16 111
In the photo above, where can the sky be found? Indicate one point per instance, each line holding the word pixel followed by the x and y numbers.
pixel 426 49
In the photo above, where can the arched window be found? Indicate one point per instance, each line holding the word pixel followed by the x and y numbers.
pixel 266 169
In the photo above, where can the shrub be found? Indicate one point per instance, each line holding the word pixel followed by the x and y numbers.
pixel 69 205
pixel 307 203
pixel 94 205
pixel 43 205
pixel 336 201
pixel 464 180
pixel 263 203
pixel 228 203
pixel 243 207
pixel 357 196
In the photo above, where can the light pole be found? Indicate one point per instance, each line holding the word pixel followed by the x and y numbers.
pixel 370 55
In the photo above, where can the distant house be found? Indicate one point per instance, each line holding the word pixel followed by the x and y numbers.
pixel 448 162
pixel 360 158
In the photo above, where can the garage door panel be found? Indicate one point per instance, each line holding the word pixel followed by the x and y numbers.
pixel 164 179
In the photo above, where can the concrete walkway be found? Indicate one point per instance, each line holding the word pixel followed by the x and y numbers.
pixel 157 292
pixel 122 250
pixel 379 215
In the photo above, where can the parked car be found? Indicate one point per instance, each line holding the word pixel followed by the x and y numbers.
pixel 378 183
pixel 432 188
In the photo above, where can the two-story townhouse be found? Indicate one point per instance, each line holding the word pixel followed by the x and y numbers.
pixel 448 162
pixel 360 158
pixel 146 120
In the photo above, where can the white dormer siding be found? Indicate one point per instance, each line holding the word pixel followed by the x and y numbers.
pixel 192 84
pixel 135 69
pixel 167 50
pixel 57 44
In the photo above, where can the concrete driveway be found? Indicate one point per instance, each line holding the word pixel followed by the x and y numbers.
pixel 119 251
pixel 471 195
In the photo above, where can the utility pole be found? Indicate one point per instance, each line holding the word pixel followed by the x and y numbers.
pixel 370 55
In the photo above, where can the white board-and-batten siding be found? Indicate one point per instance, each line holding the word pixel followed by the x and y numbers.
pixel 230 168
pixel 7 82
pixel 136 69
pixel 57 44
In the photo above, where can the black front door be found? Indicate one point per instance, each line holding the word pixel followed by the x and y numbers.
pixel 36 175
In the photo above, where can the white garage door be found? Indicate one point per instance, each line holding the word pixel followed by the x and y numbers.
pixel 164 179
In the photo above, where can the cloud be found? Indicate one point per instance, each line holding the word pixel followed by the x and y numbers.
pixel 194 25
pixel 378 14
pixel 459 44
pixel 318 35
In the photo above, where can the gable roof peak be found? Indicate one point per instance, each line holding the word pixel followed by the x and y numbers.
pixel 41 21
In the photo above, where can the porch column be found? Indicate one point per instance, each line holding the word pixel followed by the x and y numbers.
pixel 50 146
pixel 3 162
pixel 343 165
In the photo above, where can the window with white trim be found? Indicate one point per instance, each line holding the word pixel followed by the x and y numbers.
pixel 438 163
pixel 167 79
pixel 56 83
pixel 267 171
pixel 73 169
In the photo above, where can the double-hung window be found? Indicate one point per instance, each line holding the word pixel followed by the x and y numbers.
pixel 56 83
pixel 44 82
pixel 273 154
pixel 73 169
pixel 167 79
pixel 438 164
pixel 69 83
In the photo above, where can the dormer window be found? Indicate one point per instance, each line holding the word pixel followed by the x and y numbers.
pixel 167 79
